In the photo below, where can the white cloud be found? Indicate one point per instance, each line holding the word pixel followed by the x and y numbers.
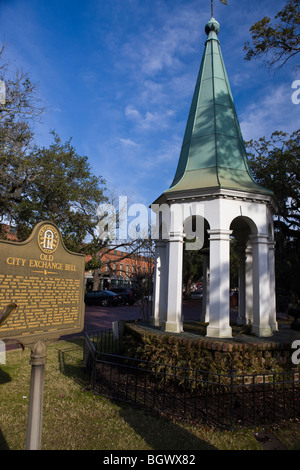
pixel 272 113
pixel 128 142
pixel 149 120
pixel 164 48
pixel 133 113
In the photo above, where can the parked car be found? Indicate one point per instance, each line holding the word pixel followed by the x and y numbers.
pixel 128 295
pixel 197 294
pixel 103 297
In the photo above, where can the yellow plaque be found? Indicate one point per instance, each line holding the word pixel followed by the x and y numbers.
pixel 46 283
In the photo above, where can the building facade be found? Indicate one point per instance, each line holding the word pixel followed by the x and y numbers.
pixel 119 268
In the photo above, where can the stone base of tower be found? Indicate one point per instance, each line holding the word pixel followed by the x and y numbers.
pixel 246 350
pixel 219 332
pixel 264 331
pixel 172 327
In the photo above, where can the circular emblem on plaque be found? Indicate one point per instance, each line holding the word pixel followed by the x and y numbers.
pixel 48 239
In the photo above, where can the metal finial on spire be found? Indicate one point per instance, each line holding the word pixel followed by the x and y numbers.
pixel 212 26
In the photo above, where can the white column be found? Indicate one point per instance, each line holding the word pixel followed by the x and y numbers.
pixel 173 321
pixel 261 286
pixel 273 321
pixel 219 307
pixel 160 284
pixel 249 284
pixel 241 319
pixel 205 299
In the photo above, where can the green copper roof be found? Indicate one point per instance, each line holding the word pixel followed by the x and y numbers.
pixel 213 153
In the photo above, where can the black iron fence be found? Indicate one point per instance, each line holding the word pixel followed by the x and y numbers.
pixel 208 398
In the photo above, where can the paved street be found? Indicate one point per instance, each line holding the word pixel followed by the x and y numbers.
pixel 102 317
pixel 97 317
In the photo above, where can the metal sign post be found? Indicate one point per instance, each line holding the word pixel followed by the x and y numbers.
pixel 35 412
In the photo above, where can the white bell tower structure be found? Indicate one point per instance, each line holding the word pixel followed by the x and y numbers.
pixel 214 191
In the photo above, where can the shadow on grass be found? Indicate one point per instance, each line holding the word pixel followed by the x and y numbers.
pixel 4 377
pixel 71 363
pixel 161 433
pixel 3 443
pixel 158 432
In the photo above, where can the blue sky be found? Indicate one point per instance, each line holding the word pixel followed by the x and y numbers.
pixel 118 77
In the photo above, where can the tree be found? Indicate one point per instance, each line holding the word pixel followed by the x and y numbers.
pixel 18 112
pixel 192 269
pixel 21 104
pixel 275 165
pixel 103 243
pixel 276 43
pixel 62 188
pixel 275 162
pixel 53 183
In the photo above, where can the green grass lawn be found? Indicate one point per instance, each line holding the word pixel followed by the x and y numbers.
pixel 75 419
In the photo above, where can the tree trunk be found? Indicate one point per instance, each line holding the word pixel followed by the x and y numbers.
pixel 96 280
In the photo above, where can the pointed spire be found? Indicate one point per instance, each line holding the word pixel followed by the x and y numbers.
pixel 213 154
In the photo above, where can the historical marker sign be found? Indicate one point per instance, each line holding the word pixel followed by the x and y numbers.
pixel 46 281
